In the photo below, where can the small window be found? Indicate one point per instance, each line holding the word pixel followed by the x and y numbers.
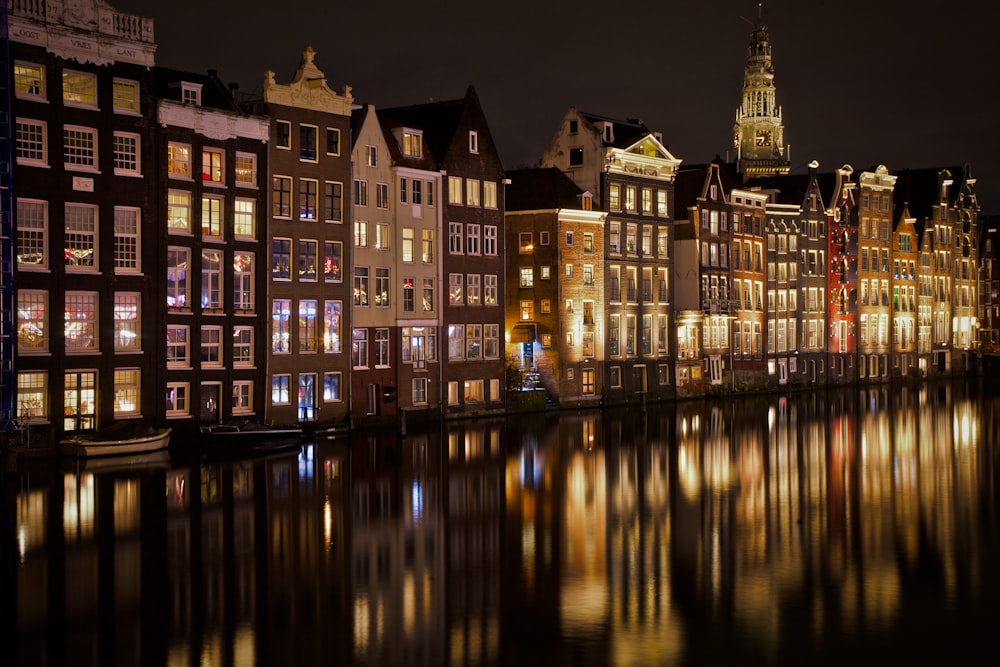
pixel 569 238
pixel 308 143
pixel 283 134
pixel 575 157
pixel 413 144
pixel 372 156
pixel 574 126
pixel 473 141
pixel 191 93
pixel 543 238
pixel 332 141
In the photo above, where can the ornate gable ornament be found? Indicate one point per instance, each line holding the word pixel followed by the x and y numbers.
pixel 308 89
pixel 647 158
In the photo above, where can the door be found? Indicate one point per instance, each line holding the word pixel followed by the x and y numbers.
pixel 307 397
pixel 79 401
pixel 211 402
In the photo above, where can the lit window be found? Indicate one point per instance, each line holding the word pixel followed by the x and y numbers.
pixel 126 96
pixel 79 89
pixel 281 319
pixel 243 218
pixel 178 265
pixel 211 347
pixel 211 279
pixel 32 322
pixel 212 166
pixel 242 347
pixel 32 396
pixel 245 166
pixel 178 160
pixel 332 311
pixel 211 217
pixel 490 194
pixel 29 80
pixel 32 234
pixel 178 211
pixel 178 346
pixel 242 397
pixel 307 325
pixel 81 325
pixel 455 190
pixel 280 394
pixel 177 399
pixel 412 143
pixel 472 192
pixel 243 273
pixel 81 237
pixel 331 386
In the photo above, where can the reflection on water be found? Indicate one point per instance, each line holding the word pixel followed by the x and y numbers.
pixel 824 527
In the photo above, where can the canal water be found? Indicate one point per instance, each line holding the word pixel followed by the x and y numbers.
pixel 836 527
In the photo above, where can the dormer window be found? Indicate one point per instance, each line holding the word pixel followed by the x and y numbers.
pixel 473 141
pixel 609 132
pixel 191 93
pixel 412 143
pixel 587 201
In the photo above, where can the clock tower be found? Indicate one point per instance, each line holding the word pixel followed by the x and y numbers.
pixel 758 135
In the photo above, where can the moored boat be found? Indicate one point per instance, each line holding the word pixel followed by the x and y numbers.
pixel 247 437
pixel 81 446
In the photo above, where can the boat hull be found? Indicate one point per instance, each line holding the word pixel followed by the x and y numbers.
pixel 82 448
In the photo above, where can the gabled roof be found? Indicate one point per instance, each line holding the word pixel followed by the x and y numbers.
pixel 625 133
pixel 359 115
pixel 389 128
pixel 438 120
pixel 919 189
pixel 541 188
pixel 214 93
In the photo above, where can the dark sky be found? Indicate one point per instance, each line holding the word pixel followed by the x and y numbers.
pixel 907 84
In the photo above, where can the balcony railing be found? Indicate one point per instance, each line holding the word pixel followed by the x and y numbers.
pixel 109 21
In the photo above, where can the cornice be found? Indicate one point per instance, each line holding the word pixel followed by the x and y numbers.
pixel 308 89
pixel 212 123
pixel 84 47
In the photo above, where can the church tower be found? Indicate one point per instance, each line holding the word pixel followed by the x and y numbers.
pixel 758 135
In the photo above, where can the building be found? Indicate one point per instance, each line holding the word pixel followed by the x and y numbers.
pixel 472 261
pixel 842 279
pixel 86 251
pixel 875 189
pixel 631 175
pixel 211 160
pixel 905 287
pixel 748 266
pixel 759 132
pixel 308 236
pixel 555 314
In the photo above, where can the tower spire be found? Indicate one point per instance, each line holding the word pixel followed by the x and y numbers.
pixel 758 134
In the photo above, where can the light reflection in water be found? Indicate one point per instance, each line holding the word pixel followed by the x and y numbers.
pixel 698 533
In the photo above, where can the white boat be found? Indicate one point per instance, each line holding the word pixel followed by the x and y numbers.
pixel 81 446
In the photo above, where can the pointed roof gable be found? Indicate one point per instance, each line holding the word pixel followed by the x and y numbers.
pixel 308 89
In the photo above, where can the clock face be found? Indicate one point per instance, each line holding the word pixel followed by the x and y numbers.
pixel 763 137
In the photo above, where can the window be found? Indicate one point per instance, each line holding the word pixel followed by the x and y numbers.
pixel 588 242
pixel 307 325
pixel 472 287
pixel 283 134
pixel 127 255
pixel 126 96
pixel 419 391
pixel 428 296
pixel 242 397
pixel 408 295
pixel 281 318
pixel 242 347
pixel 661 203
pixel 29 80
pixel 473 341
pixel 382 287
pixel 630 202
pixel 32 234
pixel 245 167
pixel 615 237
pixel 308 199
pixel 490 194
pixel 491 341
pixel 30 142
pixel 308 143
pixel 527 310
pixel 489 240
pixel 360 192
pixel 587 381
pixel 178 160
pixel 211 279
pixel 334 253
pixel 614 197
pixel 473 141
pixel 575 156
pixel 418 194
pixel 359 348
pixel 211 347
pixel 455 190
pixel 281 259
pixel 407 244
pixel 372 154
pixel 361 280
pixel 472 239
pixel 545 272
pixel 81 237
pixel 81 325
pixel 472 192
pixel 243 219
pixel 80 148
pixel 331 387
pixel 178 346
pixel 569 270
pixel 308 260
pixel 32 322
pixel 381 347
pixel 412 143
pixel 191 93
pixel 211 217
pixel 177 399
pixel 280 389
pixel 332 141
pixel 647 200
pixel 79 89
pixel 333 201
pixel 588 312
pixel 490 290
pixel 456 341
pixel 332 311
pixel 455 238
pixel 212 166
pixel 381 195
pixel 360 234
pixel 588 274
pixel 427 246
pixel 178 263
pixel 455 289
pixel 32 396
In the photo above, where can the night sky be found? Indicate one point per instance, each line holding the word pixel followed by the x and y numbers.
pixel 907 84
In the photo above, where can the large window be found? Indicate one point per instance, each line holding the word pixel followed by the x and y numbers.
pixel 455 289
pixel 243 272
pixel 412 143
pixel 456 341
pixel 307 326
pixel 333 201
pixel 211 279
pixel 281 197
pixel 473 291
pixel 474 341
pixel 472 192
pixel 281 259
pixel 178 266
pixel 178 346
pixel 178 160
pixel 30 142
pixel 243 347
pixel 308 143
pixel 381 347
pixel 382 287
pixel 281 322
pixel 79 89
pixel 245 166
pixel 455 190
pixel 213 169
pixel 308 199
pixel 332 260
pixel 361 285
pixel 242 397
pixel 491 341
pixel 211 347
pixel 490 194
pixel 359 348
pixel 81 325
pixel 32 234
pixel 127 322
pixel 80 148
pixel 331 386
pixel 126 153
pixel 382 195
pixel 32 396
pixel 427 246
pixel 472 239
pixel 360 192
pixel 81 237
pixel 308 260
pixel 455 238
pixel 280 389
pixel 29 80
pixel 331 326
pixel 179 211
pixel 490 290
pixel 428 296
pixel 489 240
pixel 127 255
pixel 244 226
pixel 177 399
pixel 211 217
pixel 32 322
pixel 332 141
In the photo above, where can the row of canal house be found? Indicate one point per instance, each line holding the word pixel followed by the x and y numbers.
pixel 183 255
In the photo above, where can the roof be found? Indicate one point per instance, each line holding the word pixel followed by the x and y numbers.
pixel 214 93
pixel 541 188
pixel 624 132
pixel 437 120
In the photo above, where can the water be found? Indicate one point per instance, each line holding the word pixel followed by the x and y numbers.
pixel 827 528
